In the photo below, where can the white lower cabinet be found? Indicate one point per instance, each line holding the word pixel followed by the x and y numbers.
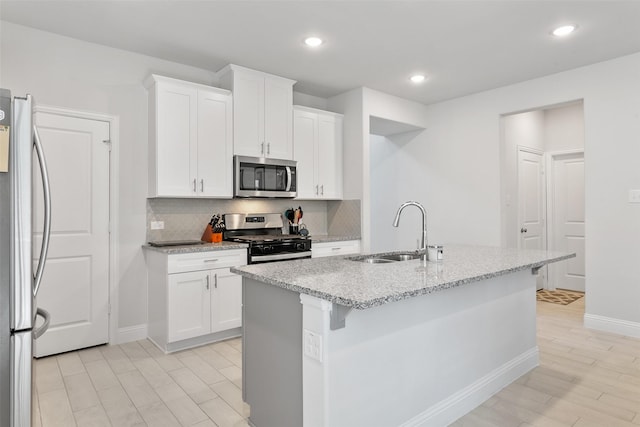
pixel 344 247
pixel 189 305
pixel 194 298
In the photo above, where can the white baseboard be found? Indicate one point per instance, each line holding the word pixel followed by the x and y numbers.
pixel 132 333
pixel 458 404
pixel 610 324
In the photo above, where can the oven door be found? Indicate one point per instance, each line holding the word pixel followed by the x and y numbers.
pixel 283 250
pixel 261 177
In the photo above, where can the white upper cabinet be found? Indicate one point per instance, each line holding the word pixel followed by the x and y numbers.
pixel 262 110
pixel 190 139
pixel 317 139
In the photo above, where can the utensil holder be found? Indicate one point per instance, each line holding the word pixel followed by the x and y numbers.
pixel 294 229
pixel 207 236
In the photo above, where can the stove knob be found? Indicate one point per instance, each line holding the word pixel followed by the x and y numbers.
pixel 267 249
pixel 300 247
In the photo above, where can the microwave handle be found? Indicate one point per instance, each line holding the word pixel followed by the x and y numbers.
pixel 288 178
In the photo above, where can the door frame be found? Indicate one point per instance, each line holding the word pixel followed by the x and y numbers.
pixel 549 158
pixel 114 167
pixel 545 196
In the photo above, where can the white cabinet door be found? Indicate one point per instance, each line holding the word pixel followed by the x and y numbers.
pixel 215 145
pixel 248 114
pixel 278 105
pixel 262 112
pixel 189 305
pixel 329 157
pixel 191 145
pixel 304 136
pixel 318 151
pixel 176 139
pixel 226 300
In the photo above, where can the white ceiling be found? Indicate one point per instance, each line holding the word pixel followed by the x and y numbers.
pixel 464 46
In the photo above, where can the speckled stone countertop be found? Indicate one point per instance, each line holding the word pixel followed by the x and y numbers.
pixel 324 238
pixel 361 285
pixel 205 247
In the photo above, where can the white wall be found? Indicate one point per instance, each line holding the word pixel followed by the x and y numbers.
pixel 564 128
pixel 383 193
pixel 460 176
pixel 559 128
pixel 65 72
pixel 358 106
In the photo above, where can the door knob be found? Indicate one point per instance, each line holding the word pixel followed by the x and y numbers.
pixel 523 230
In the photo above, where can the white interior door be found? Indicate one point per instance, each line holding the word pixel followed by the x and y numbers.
pixel 75 286
pixel 531 204
pixel 567 220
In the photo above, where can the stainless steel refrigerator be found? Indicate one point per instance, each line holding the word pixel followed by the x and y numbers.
pixel 19 282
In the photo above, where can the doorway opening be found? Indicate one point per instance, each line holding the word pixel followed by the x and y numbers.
pixel 542 188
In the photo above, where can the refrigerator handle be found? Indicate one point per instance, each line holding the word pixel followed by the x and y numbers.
pixel 47 319
pixel 46 232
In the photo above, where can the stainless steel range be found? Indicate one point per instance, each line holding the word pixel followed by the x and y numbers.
pixel 263 234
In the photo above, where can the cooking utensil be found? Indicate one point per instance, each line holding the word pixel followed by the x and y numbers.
pixel 289 215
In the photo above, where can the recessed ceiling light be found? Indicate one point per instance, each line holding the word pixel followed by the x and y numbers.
pixel 417 78
pixel 313 41
pixel 565 30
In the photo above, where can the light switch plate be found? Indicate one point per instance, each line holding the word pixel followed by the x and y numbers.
pixel 634 196
pixel 157 225
pixel 313 345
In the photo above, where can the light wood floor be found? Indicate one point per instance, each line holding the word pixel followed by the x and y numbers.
pixel 585 378
pixel 135 384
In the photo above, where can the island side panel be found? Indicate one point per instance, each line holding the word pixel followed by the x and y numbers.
pixel 272 354
pixel 424 361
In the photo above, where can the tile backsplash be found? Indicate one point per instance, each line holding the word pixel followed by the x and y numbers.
pixel 343 218
pixel 187 218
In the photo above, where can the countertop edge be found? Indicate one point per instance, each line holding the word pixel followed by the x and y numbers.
pixel 189 249
pixel 328 238
pixel 362 305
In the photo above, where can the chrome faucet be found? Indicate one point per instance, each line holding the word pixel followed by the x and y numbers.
pixel 396 221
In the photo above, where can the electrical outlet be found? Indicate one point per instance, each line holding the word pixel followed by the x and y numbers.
pixel 313 345
pixel 157 225
pixel 634 196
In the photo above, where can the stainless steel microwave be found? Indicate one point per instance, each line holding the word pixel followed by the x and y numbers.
pixel 261 177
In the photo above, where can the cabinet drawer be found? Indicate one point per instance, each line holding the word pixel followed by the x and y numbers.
pixel 325 249
pixel 206 260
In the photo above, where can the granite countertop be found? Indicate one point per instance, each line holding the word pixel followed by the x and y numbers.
pixel 325 238
pixel 361 285
pixel 205 247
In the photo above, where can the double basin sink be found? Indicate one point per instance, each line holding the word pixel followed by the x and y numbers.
pixel 386 258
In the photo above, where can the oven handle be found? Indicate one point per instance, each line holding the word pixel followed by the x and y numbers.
pixel 279 257
pixel 288 178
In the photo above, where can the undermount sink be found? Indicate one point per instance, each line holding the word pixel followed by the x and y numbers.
pixel 386 258
pixel 375 260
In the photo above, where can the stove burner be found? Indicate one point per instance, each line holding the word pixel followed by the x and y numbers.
pixel 265 238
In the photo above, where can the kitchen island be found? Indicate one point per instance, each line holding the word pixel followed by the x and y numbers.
pixel 340 342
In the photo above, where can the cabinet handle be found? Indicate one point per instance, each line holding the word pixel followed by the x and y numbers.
pixel 207 282
pixel 194 185
pixel 262 149
pixel 215 281
pixel 210 260
pixel 335 249
pixel 202 185
pixel 317 191
pixel 322 190
pixel 269 148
